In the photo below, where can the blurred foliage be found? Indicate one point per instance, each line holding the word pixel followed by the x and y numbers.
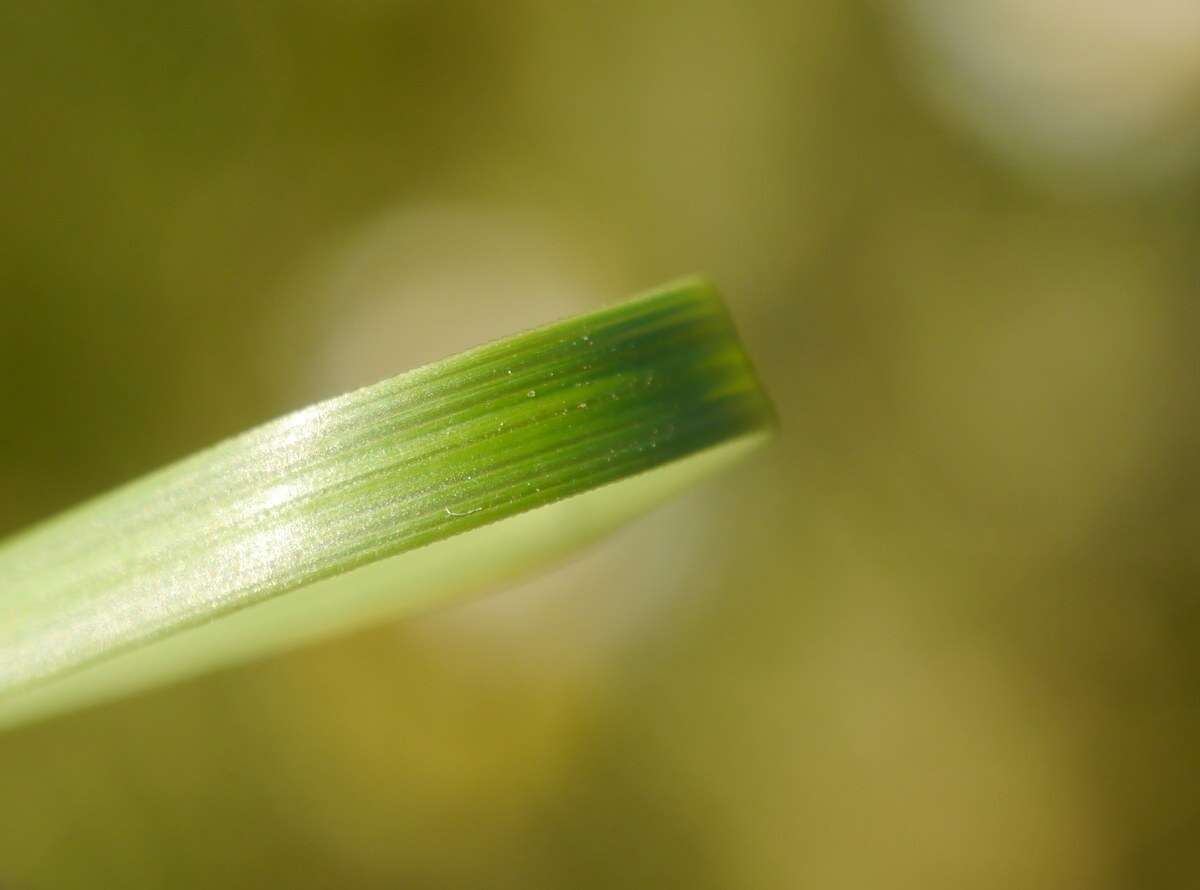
pixel 944 634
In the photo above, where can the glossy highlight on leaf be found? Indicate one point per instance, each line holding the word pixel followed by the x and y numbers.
pixel 272 537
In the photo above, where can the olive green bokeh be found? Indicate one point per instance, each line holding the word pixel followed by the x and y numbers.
pixel 942 634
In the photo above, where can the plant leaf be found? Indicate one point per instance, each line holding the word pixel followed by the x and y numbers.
pixel 310 524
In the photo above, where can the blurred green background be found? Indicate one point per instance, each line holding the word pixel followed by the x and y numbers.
pixel 943 634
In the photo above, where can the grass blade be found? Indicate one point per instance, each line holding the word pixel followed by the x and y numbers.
pixel 310 524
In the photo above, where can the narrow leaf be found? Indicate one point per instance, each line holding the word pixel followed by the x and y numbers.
pixel 310 524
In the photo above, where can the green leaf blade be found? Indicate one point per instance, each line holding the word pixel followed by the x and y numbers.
pixel 417 459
